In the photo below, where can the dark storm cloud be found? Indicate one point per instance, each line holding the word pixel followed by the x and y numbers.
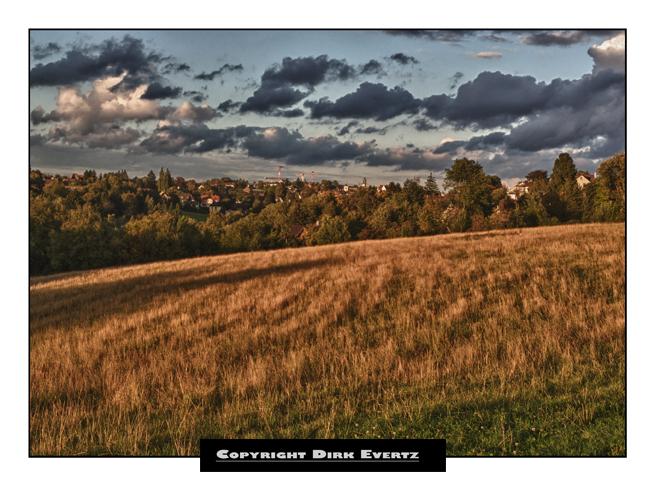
pixel 41 52
pixel 565 38
pixel 402 159
pixel 449 36
pixel 196 96
pixel 177 137
pixel 280 143
pixel 277 88
pixel 228 105
pixel 107 137
pixel 172 67
pixel 37 140
pixel 265 99
pixel 158 92
pixel 369 130
pixel 423 125
pixel 371 67
pixel 346 130
pixel 491 100
pixel 403 59
pixel 455 79
pixel 494 38
pixel 488 101
pixel 39 116
pixel 295 113
pixel 225 68
pixel 372 101
pixel 488 142
pixel 114 58
pixel 577 112
pixel 307 71
pixel 561 113
pixel 273 143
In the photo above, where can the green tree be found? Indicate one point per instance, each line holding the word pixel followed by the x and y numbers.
pixel 536 175
pixel 412 192
pixel 468 183
pixel 85 241
pixel 612 177
pixel 431 187
pixel 563 171
pixel 332 230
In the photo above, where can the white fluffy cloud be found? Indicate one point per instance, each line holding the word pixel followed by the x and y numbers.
pixel 609 55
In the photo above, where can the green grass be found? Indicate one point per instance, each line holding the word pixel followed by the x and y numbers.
pixel 197 216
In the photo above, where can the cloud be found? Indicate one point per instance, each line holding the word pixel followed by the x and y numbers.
pixel 450 36
pixel 266 98
pixel 400 158
pixel 346 130
pixel 280 143
pixel 196 96
pixel 174 137
pixel 191 112
pixel 371 67
pixel 172 67
pixel 584 114
pixel 41 52
pixel 403 59
pixel 277 89
pixel 455 79
pixel 487 55
pixel 494 38
pixel 107 137
pixel 225 68
pixel 564 38
pixel 158 92
pixel 609 55
pixel 295 113
pixel 85 112
pixel 373 101
pixel 114 58
pixel 489 101
pixel 228 105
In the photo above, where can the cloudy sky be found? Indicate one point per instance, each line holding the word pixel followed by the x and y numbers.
pixel 385 105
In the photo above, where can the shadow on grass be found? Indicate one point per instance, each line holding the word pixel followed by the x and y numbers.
pixel 82 303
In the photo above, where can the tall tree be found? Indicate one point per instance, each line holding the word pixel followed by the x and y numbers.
pixel 467 181
pixel 612 175
pixel 563 171
pixel 431 187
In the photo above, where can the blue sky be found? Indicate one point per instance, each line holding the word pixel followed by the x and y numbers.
pixel 346 104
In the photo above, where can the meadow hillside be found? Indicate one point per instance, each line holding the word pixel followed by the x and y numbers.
pixel 503 343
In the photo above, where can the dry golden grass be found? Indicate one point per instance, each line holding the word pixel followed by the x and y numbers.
pixel 305 342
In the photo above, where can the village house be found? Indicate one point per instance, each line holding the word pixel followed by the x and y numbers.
pixel 207 201
pixel 519 190
pixel 186 198
pixel 583 180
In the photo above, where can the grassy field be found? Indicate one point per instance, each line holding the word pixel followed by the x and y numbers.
pixel 197 216
pixel 504 343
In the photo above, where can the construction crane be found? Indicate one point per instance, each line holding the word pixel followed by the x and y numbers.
pixel 302 177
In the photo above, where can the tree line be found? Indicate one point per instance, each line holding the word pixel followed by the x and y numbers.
pixel 106 220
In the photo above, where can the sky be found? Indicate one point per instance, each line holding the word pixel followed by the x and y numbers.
pixel 345 104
